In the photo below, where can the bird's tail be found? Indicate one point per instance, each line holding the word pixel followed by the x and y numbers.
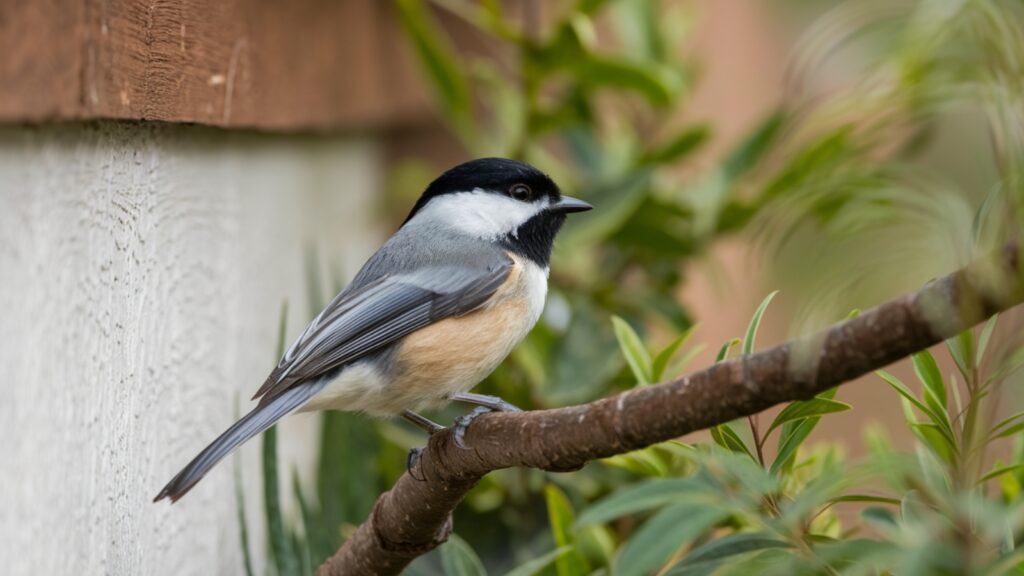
pixel 261 418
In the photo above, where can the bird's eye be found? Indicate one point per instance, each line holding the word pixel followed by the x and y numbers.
pixel 520 192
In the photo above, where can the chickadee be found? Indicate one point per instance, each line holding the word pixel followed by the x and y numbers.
pixel 428 317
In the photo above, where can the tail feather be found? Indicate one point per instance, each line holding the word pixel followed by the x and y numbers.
pixel 262 417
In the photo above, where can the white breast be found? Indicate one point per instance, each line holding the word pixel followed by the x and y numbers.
pixel 535 283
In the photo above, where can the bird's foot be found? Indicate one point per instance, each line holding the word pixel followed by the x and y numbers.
pixel 411 460
pixel 462 424
pixel 492 402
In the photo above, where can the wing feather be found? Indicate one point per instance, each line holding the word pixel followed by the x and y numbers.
pixel 365 320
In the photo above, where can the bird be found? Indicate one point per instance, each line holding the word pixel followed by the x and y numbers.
pixel 430 315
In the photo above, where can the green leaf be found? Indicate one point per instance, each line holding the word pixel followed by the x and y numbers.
pixel 754 148
pixel 986 336
pixel 584 358
pixel 755 322
pixel 940 421
pixel 314 540
pixel 879 516
pixel 243 523
pixel 961 348
pixel 790 440
pixel 679 147
pixel 440 62
pixel 597 543
pixel 727 438
pixel 280 544
pixel 1003 424
pixel 1010 431
pixel 663 358
pixel 656 82
pixel 722 548
pixel 645 462
pixel 793 434
pixel 643 496
pixel 806 409
pixel 932 436
pixel 928 372
pixel 723 352
pixel 536 565
pixel 1000 471
pixel 562 519
pixel 662 535
pixel 633 349
pixel 459 559
pixel 866 498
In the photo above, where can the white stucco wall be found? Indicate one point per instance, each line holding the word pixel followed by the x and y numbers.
pixel 142 269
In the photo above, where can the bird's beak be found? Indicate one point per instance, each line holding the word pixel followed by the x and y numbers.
pixel 569 204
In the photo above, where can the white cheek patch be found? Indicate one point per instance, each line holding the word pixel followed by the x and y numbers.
pixel 479 213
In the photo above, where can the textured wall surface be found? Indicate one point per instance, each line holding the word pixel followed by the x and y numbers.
pixel 142 270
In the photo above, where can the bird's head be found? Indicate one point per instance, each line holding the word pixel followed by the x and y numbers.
pixel 499 200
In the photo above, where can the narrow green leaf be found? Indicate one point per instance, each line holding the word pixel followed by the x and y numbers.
pixel 281 551
pixel 440 62
pixel 755 322
pixel 805 409
pixel 961 348
pixel 897 385
pixel 645 462
pixel 1000 471
pixel 315 541
pixel 656 82
pixel 243 523
pixel 1010 431
pixel 726 547
pixel 633 349
pixel 280 543
pixel 727 438
pixel 663 358
pixel 750 152
pixel 790 440
pixel 562 519
pixel 1004 423
pixel 662 535
pixel 879 516
pixel 986 336
pixel 935 388
pixel 641 497
pixel 679 147
pixel 866 498
pixel 536 565
pixel 932 436
pixel 723 352
pixel 459 559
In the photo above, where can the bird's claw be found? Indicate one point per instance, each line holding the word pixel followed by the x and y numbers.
pixel 411 460
pixel 462 424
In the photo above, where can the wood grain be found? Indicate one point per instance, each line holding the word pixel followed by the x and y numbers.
pixel 142 270
pixel 301 64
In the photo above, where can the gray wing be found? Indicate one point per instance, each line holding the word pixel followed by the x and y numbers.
pixel 370 316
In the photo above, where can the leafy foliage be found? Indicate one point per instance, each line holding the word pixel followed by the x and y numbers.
pixel 840 183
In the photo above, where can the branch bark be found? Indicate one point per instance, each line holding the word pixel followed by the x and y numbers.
pixel 414 517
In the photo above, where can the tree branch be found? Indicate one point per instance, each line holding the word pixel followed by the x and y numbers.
pixel 415 515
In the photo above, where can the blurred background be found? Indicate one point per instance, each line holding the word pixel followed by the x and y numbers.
pixel 180 178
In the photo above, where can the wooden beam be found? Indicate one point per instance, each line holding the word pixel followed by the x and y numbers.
pixel 295 65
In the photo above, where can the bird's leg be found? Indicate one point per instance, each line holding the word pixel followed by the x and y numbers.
pixel 421 422
pixel 484 404
pixel 492 402
pixel 426 424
